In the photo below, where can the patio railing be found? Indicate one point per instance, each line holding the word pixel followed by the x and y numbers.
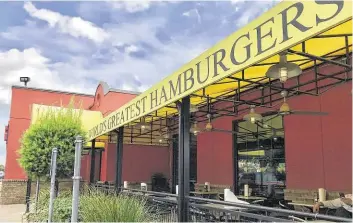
pixel 164 205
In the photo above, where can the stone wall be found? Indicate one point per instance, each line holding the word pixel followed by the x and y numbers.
pixel 14 191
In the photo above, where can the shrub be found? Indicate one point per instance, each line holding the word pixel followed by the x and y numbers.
pixel 62 207
pixel 94 206
pixel 99 207
pixel 54 128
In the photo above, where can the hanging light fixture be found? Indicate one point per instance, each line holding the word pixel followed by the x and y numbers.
pixel 193 108
pixel 195 129
pixel 144 125
pixel 253 117
pixel 160 139
pixel 165 134
pixel 284 109
pixel 274 135
pixel 283 70
pixel 209 126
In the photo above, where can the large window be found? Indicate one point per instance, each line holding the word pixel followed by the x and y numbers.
pixel 259 154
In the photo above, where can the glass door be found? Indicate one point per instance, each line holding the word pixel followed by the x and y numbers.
pixel 260 156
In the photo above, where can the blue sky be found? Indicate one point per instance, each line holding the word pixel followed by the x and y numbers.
pixel 130 45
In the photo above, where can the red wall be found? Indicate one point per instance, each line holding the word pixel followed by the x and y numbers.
pixel 214 154
pixel 20 118
pixel 318 148
pixel 139 162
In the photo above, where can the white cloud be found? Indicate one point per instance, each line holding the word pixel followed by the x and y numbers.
pixel 132 6
pixel 74 26
pixel 30 63
pixel 193 12
pixel 236 1
pixel 131 49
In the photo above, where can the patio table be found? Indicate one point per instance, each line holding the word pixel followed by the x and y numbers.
pixel 252 198
pixel 206 194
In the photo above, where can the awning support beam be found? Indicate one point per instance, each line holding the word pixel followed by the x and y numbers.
pixel 320 58
pixel 268 85
pixel 119 159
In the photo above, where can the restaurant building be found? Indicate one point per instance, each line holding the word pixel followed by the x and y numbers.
pixel 105 100
pixel 270 104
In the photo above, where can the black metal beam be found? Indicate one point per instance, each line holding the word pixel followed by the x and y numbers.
pixel 319 58
pixel 93 162
pixel 332 36
pixel 119 159
pixel 264 85
pixel 184 160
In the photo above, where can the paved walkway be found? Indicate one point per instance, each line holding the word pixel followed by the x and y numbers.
pixel 12 212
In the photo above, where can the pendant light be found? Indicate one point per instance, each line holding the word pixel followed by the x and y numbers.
pixel 283 70
pixel 193 108
pixel 160 139
pixel 253 117
pixel 165 134
pixel 144 125
pixel 209 126
pixel 195 129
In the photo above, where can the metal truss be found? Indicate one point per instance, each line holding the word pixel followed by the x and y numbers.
pixel 266 91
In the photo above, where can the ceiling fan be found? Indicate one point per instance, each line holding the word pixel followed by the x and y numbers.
pixel 286 110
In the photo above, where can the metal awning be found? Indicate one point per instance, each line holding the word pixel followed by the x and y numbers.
pixel 309 32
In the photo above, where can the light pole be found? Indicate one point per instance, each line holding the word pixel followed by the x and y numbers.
pixel 25 80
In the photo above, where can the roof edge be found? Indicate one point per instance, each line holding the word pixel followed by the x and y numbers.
pixel 51 91
pixel 107 89
pixel 124 91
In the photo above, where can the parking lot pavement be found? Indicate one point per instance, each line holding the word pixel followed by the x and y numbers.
pixel 12 212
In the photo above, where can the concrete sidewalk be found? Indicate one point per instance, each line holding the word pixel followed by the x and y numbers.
pixel 12 212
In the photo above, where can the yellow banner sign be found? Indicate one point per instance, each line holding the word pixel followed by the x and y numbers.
pixel 285 25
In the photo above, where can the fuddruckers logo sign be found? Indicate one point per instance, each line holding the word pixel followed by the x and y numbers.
pixel 285 25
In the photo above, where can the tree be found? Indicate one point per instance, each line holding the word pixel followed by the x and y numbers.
pixel 55 127
pixel 2 167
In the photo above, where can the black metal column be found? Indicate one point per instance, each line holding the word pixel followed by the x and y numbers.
pixel 119 159
pixel 184 160
pixel 235 158
pixel 174 163
pixel 93 162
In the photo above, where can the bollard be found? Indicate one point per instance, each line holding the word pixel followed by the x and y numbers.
pixel 52 183
pixel 76 179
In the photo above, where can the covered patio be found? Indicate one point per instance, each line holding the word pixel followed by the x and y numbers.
pixel 241 88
